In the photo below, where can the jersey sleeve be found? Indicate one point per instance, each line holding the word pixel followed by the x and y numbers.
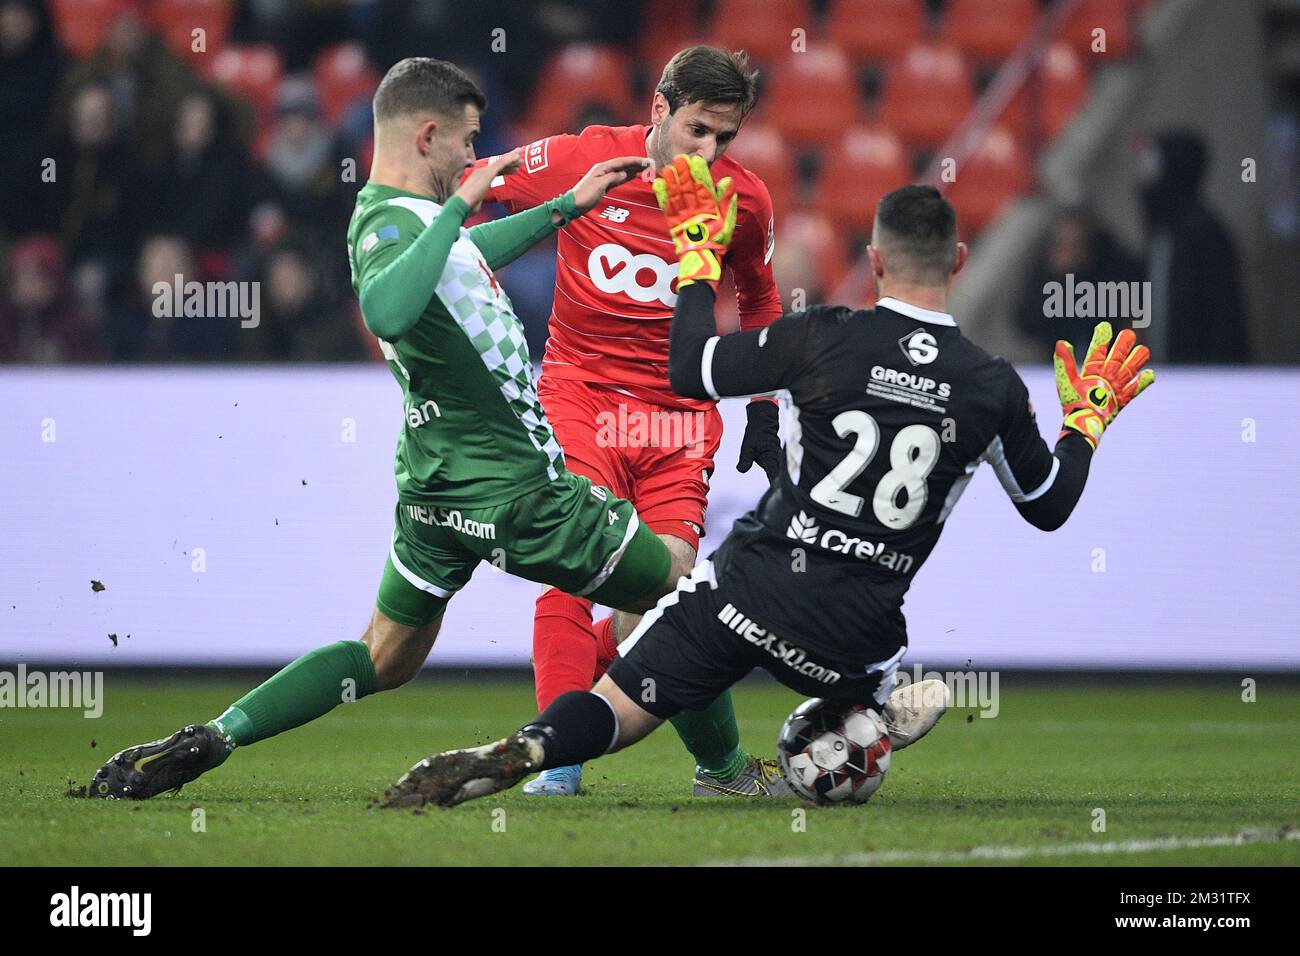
pixel 1044 485
pixel 547 170
pixel 398 262
pixel 750 261
pixel 702 364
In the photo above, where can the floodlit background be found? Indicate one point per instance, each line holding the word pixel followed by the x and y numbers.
pixel 1108 140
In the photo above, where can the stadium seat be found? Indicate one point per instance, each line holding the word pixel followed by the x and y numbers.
pixel 997 173
pixel 813 96
pixel 927 94
pixel 83 24
pixel 343 77
pixel 762 28
pixel 762 150
pixel 666 27
pixel 876 30
pixel 988 31
pixel 1063 88
pixel 1113 16
pixel 252 72
pixel 810 254
pixel 580 75
pixel 868 162
pixel 176 21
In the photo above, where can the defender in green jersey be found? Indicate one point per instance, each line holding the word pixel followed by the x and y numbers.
pixel 480 475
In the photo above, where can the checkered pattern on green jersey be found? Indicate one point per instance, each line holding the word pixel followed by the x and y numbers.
pixel 475 300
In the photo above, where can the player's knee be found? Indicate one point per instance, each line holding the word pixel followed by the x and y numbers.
pixel 681 556
pixel 398 651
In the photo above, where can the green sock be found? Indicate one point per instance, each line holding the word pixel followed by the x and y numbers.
pixel 310 687
pixel 712 737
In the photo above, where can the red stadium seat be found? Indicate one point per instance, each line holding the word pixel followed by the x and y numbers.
pixel 927 94
pixel 666 27
pixel 762 150
pixel 813 96
pixel 576 76
pixel 988 30
pixel 343 77
pixel 876 30
pixel 1112 16
pixel 83 24
pixel 178 19
pixel 1063 88
pixel 997 173
pixel 252 72
pixel 868 162
pixel 762 28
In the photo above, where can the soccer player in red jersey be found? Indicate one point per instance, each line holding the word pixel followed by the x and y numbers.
pixel 604 382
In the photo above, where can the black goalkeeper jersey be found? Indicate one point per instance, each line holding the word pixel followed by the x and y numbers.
pixel 892 411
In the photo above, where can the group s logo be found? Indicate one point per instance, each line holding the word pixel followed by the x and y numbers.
pixel 920 347
pixel 613 269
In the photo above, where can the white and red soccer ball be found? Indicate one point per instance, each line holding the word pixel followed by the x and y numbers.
pixel 834 753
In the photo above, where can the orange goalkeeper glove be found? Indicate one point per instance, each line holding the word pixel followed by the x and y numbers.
pixel 1091 399
pixel 701 218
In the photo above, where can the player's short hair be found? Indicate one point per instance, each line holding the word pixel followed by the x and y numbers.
pixel 421 84
pixel 707 74
pixel 918 224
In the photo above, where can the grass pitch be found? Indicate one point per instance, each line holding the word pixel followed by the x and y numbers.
pixel 1179 768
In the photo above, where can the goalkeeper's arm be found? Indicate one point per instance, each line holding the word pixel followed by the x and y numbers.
pixel 1044 484
pixel 1045 488
pixel 703 364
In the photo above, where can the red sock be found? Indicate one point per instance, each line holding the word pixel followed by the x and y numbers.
pixel 606 649
pixel 564 648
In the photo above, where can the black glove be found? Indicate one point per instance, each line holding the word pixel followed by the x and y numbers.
pixel 762 441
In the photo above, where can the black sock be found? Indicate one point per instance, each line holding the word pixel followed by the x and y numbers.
pixel 575 728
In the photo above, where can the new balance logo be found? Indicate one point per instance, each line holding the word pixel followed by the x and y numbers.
pixel 615 213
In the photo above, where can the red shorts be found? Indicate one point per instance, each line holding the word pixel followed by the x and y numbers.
pixel 656 457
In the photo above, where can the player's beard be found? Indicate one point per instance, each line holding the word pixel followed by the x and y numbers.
pixel 656 147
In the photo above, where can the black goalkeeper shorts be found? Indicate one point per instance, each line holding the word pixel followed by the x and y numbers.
pixel 695 644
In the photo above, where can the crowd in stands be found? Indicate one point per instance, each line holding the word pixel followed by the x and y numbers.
pixel 136 150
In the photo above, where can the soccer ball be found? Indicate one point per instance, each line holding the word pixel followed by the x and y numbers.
pixel 834 753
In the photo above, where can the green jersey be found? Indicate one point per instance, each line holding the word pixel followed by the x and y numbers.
pixel 474 432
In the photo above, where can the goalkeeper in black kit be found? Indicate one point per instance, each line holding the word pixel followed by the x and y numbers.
pixel 892 411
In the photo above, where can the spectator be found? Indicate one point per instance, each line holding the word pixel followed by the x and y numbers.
pixel 301 162
pixel 94 201
pixel 1198 312
pixel 203 193
pixel 143 333
pixel 1077 245
pixel 301 319
pixel 146 80
pixel 31 68
pixel 38 321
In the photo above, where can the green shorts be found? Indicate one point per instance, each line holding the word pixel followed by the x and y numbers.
pixel 569 533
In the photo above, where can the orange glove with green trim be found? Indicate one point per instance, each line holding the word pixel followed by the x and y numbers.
pixel 1091 399
pixel 701 218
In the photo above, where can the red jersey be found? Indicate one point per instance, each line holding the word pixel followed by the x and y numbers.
pixel 616 270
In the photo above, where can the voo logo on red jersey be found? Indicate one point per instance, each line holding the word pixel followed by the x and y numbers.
pixel 642 277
